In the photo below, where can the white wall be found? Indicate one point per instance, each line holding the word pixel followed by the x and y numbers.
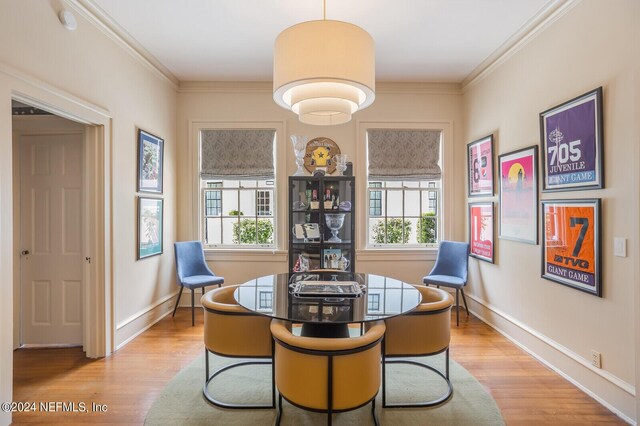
pixel 85 73
pixel 253 102
pixel 592 45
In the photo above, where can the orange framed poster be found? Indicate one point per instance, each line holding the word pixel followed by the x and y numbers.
pixel 571 243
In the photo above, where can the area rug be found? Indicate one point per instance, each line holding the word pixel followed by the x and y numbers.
pixel 181 402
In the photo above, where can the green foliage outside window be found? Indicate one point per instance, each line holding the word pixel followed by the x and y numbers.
pixel 395 232
pixel 427 229
pixel 250 231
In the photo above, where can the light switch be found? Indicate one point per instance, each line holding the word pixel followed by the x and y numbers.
pixel 620 247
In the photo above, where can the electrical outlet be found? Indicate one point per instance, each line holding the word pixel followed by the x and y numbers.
pixel 596 359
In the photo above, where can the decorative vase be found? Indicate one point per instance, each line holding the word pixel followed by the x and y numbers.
pixel 299 147
pixel 341 163
pixel 334 223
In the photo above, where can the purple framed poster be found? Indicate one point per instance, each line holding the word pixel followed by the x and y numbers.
pixel 571 139
pixel 518 183
pixel 480 166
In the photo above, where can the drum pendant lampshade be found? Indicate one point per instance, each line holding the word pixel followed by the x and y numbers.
pixel 324 71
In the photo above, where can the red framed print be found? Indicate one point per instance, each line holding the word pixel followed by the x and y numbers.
pixel 571 139
pixel 571 243
pixel 480 167
pixel 481 231
pixel 518 182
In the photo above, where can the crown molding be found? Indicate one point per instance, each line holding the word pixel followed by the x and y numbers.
pixel 102 21
pixel 547 15
pixel 225 87
pixel 267 87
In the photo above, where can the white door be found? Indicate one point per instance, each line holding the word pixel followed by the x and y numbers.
pixel 51 239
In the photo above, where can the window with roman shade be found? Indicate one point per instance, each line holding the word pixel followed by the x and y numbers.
pixel 404 181
pixel 237 178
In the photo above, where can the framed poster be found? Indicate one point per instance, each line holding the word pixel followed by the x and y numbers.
pixel 571 140
pixel 150 162
pixel 480 166
pixel 518 174
pixel 149 226
pixel 481 231
pixel 319 155
pixel 571 243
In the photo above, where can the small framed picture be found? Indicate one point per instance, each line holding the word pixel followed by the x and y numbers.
pixel 481 231
pixel 150 162
pixel 518 182
pixel 150 211
pixel 571 243
pixel 330 258
pixel 571 141
pixel 480 167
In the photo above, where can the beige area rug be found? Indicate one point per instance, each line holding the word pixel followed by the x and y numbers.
pixel 182 403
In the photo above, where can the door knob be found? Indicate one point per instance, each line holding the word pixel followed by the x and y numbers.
pixel 25 252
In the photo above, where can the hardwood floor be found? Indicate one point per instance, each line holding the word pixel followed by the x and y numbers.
pixel 129 381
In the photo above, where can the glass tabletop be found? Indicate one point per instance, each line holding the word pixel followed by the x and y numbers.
pixel 328 297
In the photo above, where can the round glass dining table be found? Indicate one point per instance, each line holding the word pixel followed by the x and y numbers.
pixel 325 303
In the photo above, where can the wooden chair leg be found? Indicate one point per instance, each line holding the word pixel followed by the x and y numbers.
pixel 178 301
pixel 193 309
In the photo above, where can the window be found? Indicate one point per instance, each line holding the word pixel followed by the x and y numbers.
pixel 237 184
pixel 403 187
pixel 375 199
pixel 408 213
pixel 243 214
pixel 213 200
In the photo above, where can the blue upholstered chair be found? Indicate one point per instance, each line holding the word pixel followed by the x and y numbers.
pixel 450 270
pixel 192 271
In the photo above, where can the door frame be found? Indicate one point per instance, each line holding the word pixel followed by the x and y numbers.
pixel 98 326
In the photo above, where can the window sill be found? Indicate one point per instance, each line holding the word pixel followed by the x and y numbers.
pixel 245 255
pixel 397 254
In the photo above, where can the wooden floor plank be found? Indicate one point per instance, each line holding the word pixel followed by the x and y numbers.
pixel 128 382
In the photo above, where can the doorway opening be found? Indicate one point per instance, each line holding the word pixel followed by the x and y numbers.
pixel 58 216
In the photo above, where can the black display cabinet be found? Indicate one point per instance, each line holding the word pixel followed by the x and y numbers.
pixel 317 204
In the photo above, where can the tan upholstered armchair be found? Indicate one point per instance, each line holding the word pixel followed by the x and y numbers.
pixel 328 375
pixel 422 332
pixel 232 331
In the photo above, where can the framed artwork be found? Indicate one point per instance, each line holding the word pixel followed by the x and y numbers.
pixel 150 212
pixel 480 167
pixel 331 258
pixel 319 155
pixel 481 231
pixel 571 243
pixel 518 181
pixel 150 161
pixel 571 142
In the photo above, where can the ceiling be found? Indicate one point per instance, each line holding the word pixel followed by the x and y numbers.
pixel 232 40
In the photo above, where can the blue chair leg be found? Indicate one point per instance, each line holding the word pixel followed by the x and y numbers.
pixel 464 299
pixel 178 301
pixel 193 310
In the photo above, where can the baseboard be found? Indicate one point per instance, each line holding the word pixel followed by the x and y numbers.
pixel 141 321
pixel 576 369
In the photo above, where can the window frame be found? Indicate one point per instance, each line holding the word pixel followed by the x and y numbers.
pixel 367 252
pixel 239 252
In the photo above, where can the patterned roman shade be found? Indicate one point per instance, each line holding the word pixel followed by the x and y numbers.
pixel 237 154
pixel 403 154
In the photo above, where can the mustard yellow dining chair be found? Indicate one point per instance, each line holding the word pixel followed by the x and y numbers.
pixel 234 332
pixel 424 331
pixel 328 375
